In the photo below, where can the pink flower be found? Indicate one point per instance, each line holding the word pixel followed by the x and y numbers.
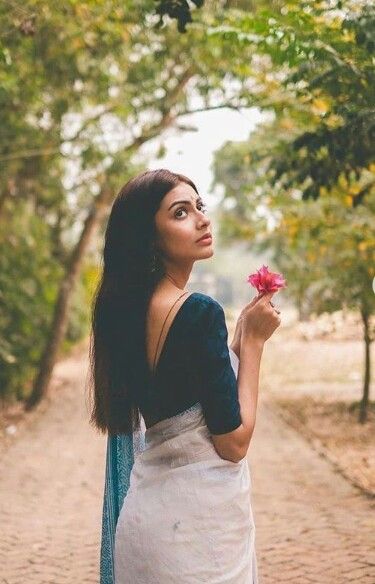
pixel 265 281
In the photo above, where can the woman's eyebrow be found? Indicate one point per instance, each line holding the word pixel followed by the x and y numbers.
pixel 186 202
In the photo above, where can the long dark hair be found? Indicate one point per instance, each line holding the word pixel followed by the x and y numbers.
pixel 131 270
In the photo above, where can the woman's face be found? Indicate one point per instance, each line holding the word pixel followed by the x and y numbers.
pixel 180 221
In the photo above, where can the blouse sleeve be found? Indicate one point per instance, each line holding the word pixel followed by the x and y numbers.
pixel 219 393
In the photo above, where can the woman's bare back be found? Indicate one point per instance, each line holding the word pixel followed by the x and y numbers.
pixel 162 309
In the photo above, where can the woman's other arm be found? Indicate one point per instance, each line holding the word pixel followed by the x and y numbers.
pixel 258 323
pixel 234 445
pixel 236 341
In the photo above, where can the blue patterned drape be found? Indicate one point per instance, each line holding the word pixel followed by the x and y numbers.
pixel 121 452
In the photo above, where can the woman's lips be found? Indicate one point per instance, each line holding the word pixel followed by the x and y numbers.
pixel 207 239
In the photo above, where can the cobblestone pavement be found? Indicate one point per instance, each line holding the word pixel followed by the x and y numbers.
pixel 51 482
pixel 312 526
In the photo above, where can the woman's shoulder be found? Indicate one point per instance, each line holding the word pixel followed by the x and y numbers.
pixel 204 308
pixel 205 300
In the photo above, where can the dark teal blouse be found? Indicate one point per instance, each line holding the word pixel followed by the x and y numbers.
pixel 194 366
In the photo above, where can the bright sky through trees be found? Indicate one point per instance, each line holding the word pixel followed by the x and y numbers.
pixel 192 152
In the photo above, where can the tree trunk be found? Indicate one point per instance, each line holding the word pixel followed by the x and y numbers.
pixel 366 384
pixel 60 318
pixel 302 309
pixel 3 198
pixel 5 194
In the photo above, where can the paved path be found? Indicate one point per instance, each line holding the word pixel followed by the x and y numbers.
pixel 51 482
pixel 312 526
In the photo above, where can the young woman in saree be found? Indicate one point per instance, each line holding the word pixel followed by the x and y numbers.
pixel 178 404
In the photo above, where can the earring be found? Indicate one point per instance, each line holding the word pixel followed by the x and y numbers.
pixel 154 259
pixel 153 263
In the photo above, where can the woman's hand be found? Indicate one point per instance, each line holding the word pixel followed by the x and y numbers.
pixel 260 320
pixel 236 342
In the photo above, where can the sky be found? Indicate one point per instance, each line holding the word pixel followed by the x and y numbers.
pixel 191 152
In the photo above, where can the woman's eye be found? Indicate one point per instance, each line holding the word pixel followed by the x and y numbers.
pixel 201 207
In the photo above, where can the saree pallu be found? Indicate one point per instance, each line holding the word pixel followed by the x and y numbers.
pixel 174 511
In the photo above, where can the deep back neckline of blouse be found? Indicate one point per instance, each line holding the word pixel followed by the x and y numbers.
pixel 153 374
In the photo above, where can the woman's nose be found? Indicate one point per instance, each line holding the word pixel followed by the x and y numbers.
pixel 205 220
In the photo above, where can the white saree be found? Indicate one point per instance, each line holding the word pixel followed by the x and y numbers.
pixel 186 517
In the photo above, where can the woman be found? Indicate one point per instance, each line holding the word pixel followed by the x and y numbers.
pixel 177 495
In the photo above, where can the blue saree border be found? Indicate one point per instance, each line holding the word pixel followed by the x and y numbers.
pixel 121 452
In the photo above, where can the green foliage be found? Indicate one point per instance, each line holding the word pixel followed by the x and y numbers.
pixel 321 57
pixel 83 85
pixel 318 159
pixel 29 279
pixel 79 317
pixel 316 75
pixel 178 9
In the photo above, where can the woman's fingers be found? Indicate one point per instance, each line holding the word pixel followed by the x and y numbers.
pixel 274 307
pixel 265 297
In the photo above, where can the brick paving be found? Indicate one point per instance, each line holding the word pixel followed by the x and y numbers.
pixel 51 482
pixel 312 526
